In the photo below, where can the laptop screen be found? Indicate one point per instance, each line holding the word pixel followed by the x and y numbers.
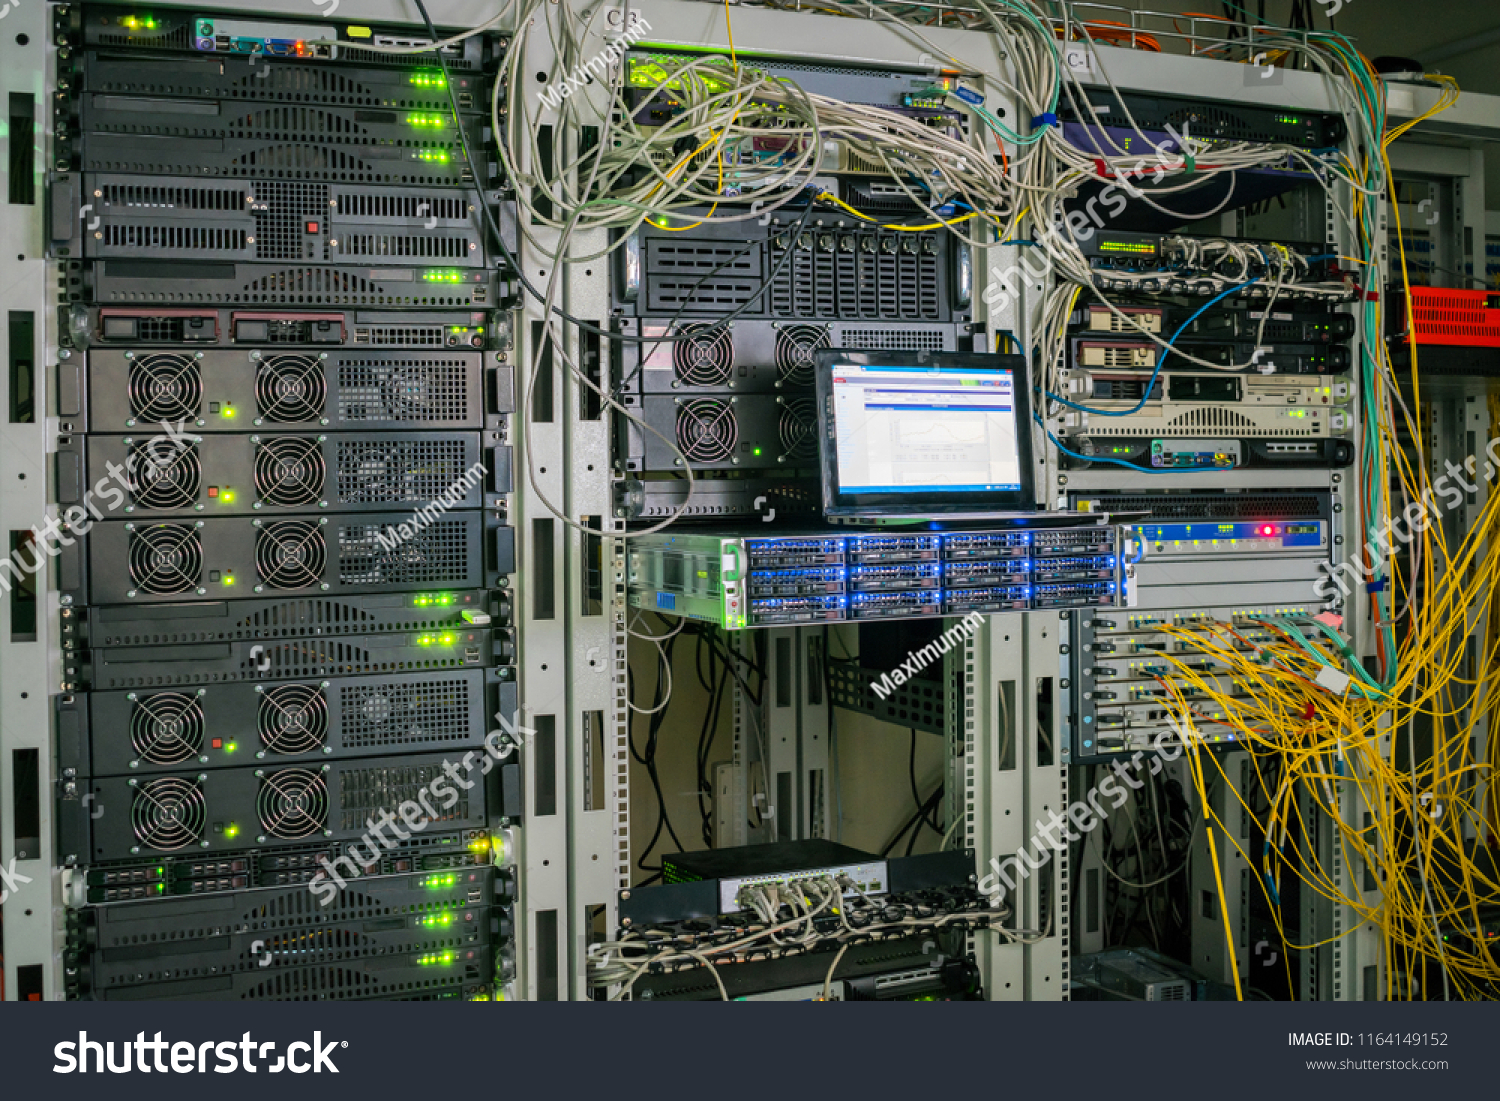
pixel 907 437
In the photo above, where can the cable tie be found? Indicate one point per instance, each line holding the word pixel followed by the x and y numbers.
pixel 1190 164
pixel 1101 169
pixel 1048 119
pixel 1376 586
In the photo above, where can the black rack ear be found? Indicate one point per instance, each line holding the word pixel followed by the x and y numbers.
pixel 500 388
pixel 72 735
pixel 502 552
pixel 499 463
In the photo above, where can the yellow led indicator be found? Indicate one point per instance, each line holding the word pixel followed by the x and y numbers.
pixel 231 830
pixel 229 579
pixel 226 496
pixel 228 412
pixel 230 747
pixel 359 32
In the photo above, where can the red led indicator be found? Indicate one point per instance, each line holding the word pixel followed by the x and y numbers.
pixel 312 227
pixel 1267 530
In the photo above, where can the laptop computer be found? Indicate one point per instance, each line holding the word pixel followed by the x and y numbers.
pixel 906 437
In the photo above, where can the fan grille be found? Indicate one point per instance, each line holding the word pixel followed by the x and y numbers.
pixel 706 430
pixel 164 476
pixel 165 387
pixel 165 558
pixel 292 718
pixel 292 804
pixel 167 728
pixel 168 813
pixel 289 470
pixel 795 345
pixel 290 554
pixel 706 358
pixel 290 388
pixel 798 428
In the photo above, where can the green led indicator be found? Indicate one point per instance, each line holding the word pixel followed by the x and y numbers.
pixel 231 830
pixel 434 156
pixel 426 120
pixel 429 80
pixel 230 747
pixel 442 275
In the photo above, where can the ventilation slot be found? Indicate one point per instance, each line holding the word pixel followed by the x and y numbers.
pixel 427 248
pixel 375 554
pixel 397 472
pixel 899 340
pixel 396 714
pixel 173 198
pixel 358 204
pixel 413 391
pixel 365 792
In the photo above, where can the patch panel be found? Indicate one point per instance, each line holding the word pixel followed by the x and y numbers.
pixel 1118 660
